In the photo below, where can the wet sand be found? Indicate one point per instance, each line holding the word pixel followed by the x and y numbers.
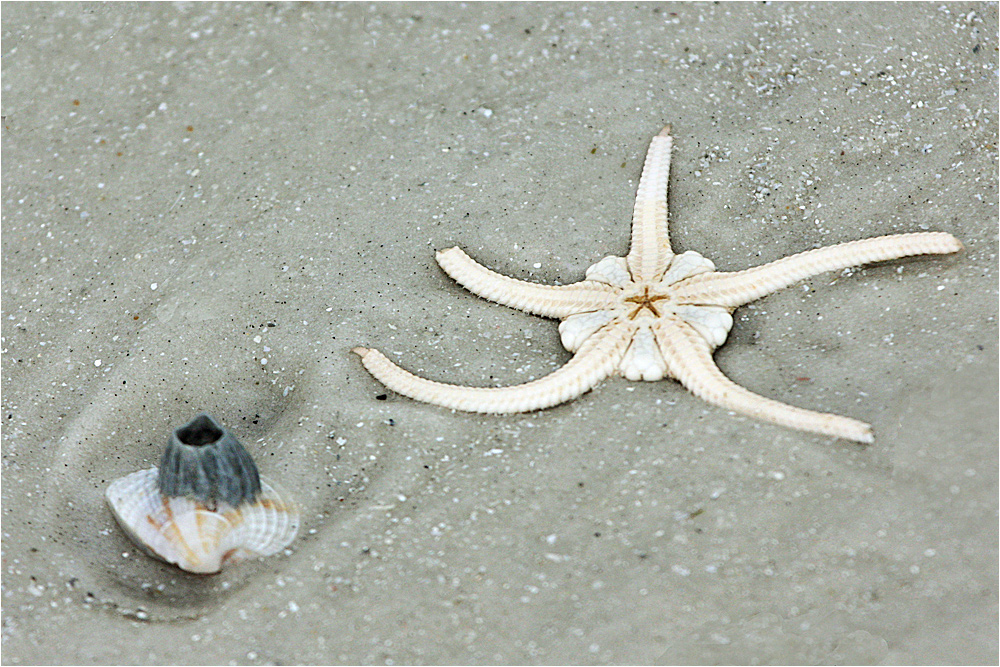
pixel 206 206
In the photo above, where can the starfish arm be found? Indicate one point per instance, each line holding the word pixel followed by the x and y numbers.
pixel 596 359
pixel 689 360
pixel 739 287
pixel 650 253
pixel 545 300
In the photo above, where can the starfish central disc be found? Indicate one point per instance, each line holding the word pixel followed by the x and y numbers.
pixel 645 301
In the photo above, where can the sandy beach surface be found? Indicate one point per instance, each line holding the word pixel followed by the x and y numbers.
pixel 205 206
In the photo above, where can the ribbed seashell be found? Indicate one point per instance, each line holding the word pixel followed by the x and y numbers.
pixel 206 505
pixel 196 536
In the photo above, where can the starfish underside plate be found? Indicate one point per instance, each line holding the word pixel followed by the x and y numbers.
pixel 650 315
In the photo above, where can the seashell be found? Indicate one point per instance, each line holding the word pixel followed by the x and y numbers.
pixel 217 509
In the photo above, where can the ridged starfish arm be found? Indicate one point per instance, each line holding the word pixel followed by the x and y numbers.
pixel 732 289
pixel 545 300
pixel 650 253
pixel 595 360
pixel 689 360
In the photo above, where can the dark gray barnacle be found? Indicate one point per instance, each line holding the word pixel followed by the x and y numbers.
pixel 205 462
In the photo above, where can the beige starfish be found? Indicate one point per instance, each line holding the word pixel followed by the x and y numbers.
pixel 650 315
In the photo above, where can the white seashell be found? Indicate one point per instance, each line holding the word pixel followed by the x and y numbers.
pixel 196 536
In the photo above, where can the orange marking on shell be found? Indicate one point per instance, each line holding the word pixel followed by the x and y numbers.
pixel 234 517
pixel 269 504
pixel 199 519
pixel 175 533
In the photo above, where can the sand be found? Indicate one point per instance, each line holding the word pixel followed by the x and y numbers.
pixel 206 206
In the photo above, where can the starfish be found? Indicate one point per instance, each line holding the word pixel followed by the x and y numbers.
pixel 650 315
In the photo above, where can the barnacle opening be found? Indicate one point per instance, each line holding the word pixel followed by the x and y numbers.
pixel 201 431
